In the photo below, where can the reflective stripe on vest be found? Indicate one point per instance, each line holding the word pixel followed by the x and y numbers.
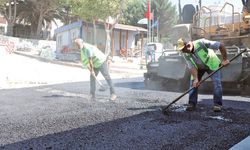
pixel 95 61
pixel 84 58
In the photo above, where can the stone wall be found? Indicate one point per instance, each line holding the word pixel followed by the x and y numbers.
pixel 41 48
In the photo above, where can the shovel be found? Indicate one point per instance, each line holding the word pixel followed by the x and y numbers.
pixel 165 110
pixel 101 88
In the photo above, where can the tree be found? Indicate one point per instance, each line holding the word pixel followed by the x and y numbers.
pixel 85 9
pixel 65 14
pixel 37 13
pixel 163 11
pixel 166 14
pixel 43 8
pixel 8 8
pixel 115 11
pixel 98 10
pixel 39 16
pixel 134 12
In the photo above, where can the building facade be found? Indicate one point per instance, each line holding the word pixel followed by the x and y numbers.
pixel 123 37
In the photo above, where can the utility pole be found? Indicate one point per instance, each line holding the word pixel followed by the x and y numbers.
pixel 149 20
pixel 180 14
pixel 149 16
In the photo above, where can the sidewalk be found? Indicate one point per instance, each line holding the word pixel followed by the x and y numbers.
pixel 27 69
pixel 118 64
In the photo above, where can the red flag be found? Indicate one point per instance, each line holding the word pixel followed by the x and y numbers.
pixel 148 14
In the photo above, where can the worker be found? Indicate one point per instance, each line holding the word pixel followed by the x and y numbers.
pixel 201 58
pixel 95 61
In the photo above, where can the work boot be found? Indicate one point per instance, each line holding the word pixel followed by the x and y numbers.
pixel 112 97
pixel 191 107
pixel 217 108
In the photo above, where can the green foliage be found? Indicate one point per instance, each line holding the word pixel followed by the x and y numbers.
pixel 166 13
pixel 3 3
pixel 134 12
pixel 163 11
pixel 36 12
pixel 90 10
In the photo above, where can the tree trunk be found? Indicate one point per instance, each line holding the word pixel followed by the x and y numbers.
pixel 33 30
pixel 39 27
pixel 11 18
pixel 94 25
pixel 108 41
pixel 10 29
pixel 109 28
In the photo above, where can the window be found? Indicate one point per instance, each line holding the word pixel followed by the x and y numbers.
pixel 59 40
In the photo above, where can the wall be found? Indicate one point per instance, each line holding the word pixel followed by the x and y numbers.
pixel 3 25
pixel 41 48
pixel 85 31
pixel 65 40
pixel 100 36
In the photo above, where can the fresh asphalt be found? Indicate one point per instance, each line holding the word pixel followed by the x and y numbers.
pixel 59 115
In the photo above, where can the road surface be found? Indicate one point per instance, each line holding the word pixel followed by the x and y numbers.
pixel 56 113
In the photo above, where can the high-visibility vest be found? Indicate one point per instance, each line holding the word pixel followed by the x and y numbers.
pixel 206 55
pixel 98 59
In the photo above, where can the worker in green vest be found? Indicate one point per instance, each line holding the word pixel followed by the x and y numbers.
pixel 201 58
pixel 96 61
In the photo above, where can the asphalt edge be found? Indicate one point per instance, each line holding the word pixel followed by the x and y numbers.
pixel 242 145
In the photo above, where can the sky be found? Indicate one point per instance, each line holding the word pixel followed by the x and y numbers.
pixel 237 3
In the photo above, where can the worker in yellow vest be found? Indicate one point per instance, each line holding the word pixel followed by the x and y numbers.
pixel 201 58
pixel 96 61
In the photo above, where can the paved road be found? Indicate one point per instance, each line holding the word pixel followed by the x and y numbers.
pixel 61 116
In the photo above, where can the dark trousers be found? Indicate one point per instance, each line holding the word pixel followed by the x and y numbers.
pixel 105 72
pixel 217 91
